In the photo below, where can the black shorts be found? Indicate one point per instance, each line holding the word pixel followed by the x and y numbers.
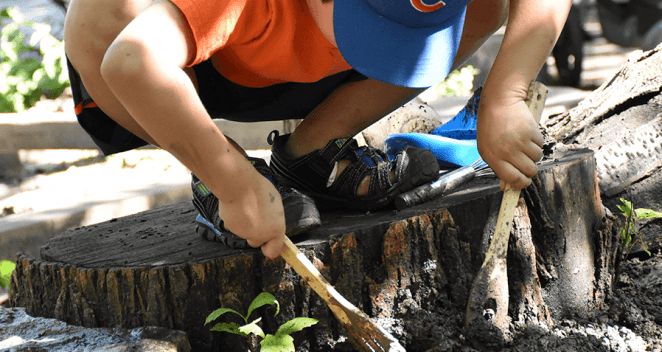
pixel 222 98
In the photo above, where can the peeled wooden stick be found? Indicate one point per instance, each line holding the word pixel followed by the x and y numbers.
pixel 488 299
pixel 364 334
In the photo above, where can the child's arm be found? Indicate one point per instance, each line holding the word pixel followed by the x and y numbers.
pixel 144 69
pixel 508 138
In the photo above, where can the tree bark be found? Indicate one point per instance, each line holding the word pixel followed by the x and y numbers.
pixel 410 270
pixel 621 122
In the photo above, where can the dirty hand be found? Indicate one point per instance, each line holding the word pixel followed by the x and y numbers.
pixel 509 140
pixel 257 215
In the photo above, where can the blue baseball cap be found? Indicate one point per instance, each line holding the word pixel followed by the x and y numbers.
pixel 409 43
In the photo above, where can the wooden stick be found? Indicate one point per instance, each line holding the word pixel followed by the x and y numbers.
pixel 535 99
pixel 488 299
pixel 364 334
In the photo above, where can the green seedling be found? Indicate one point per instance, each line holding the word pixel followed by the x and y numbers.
pixel 629 234
pixel 6 268
pixel 281 341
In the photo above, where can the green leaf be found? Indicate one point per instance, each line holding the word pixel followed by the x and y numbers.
pixel 6 268
pixel 647 213
pixel 218 312
pixel 49 45
pixel 19 105
pixel 626 208
pixel 24 87
pixel 4 87
pixel 278 343
pixel 264 298
pixel 12 12
pixel 232 328
pixel 296 324
pixel 252 328
pixel 63 78
pixel 42 36
pixel 9 51
pixel 39 74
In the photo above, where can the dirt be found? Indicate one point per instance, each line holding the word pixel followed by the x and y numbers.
pixel 630 321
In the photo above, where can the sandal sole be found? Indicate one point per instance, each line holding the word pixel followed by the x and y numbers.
pixel 207 233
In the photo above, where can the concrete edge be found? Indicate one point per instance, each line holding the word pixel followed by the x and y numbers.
pixel 62 131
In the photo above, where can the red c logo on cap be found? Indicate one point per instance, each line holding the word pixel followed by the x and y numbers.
pixel 420 6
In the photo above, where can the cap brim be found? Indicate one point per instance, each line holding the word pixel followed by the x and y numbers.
pixel 391 52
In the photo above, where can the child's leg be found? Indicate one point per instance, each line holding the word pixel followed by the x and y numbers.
pixel 89 31
pixel 355 106
pixel 484 17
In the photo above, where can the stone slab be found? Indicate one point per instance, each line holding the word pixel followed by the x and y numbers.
pixel 20 332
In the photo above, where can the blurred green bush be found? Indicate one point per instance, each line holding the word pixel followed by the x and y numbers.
pixel 458 83
pixel 29 70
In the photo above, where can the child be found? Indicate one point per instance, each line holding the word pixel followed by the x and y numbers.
pixel 156 72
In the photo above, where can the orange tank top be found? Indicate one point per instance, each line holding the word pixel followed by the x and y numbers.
pixel 258 43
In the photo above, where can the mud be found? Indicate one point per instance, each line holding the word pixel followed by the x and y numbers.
pixel 631 320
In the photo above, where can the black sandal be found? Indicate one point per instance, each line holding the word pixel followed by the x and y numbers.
pixel 301 214
pixel 310 173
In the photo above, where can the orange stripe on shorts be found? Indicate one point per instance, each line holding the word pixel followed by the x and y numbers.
pixel 79 108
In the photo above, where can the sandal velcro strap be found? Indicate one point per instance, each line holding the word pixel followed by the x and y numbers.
pixel 312 170
pixel 365 162
pixel 310 173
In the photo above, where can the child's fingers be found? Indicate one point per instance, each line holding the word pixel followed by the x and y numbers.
pixel 533 152
pixel 273 245
pixel 273 248
pixel 518 181
pixel 516 172
pixel 518 169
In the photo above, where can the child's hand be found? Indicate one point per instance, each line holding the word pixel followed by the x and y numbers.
pixel 509 141
pixel 257 216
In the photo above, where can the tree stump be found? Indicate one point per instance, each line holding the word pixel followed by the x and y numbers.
pixel 622 122
pixel 410 270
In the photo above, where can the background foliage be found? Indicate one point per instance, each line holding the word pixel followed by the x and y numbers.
pixel 457 83
pixel 29 69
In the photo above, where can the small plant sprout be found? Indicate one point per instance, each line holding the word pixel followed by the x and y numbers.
pixel 281 341
pixel 629 234
pixel 6 268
